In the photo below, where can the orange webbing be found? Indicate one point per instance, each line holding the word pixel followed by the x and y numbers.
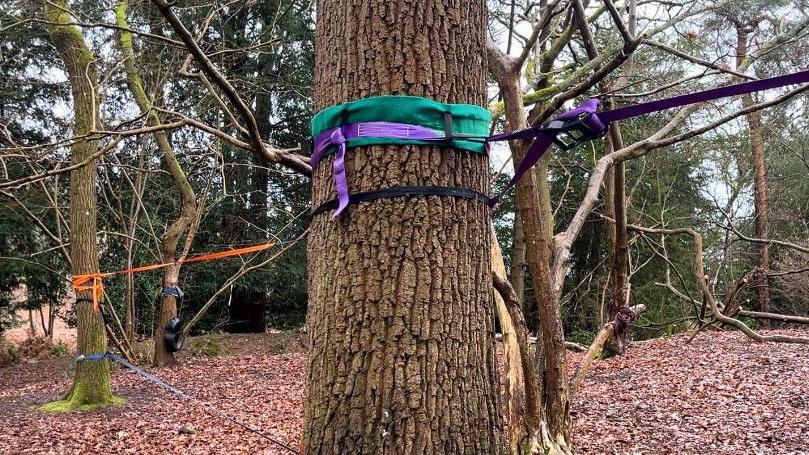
pixel 80 281
pixel 97 287
pixel 233 252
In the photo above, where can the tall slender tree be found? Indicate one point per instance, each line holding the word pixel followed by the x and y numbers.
pixel 91 384
pixel 184 224
pixel 400 307
pixel 760 206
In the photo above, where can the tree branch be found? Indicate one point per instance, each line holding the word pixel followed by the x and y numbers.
pixel 267 152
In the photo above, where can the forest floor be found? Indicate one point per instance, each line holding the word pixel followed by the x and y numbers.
pixel 721 394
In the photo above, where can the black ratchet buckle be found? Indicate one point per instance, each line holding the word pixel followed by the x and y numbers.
pixel 568 134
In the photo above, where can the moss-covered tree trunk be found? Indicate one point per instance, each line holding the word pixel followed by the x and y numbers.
pixel 91 383
pixel 183 224
pixel 400 306
pixel 185 220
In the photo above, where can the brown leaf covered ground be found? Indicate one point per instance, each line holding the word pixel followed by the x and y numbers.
pixel 722 394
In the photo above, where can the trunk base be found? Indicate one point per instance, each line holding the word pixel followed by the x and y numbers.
pixel 542 443
pixel 84 397
pixel 71 406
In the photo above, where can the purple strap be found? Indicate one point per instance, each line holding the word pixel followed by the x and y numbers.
pixel 599 121
pixel 339 165
pixel 543 140
pixel 744 88
pixel 543 135
pixel 338 136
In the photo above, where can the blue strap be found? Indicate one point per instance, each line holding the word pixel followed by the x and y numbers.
pixel 174 291
pixel 93 357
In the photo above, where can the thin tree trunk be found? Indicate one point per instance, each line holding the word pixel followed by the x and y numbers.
pixel 91 382
pixel 620 252
pixel 51 317
pixel 32 329
pixel 129 300
pixel 550 352
pixel 516 405
pixel 184 223
pixel 532 430
pixel 134 212
pixel 620 260
pixel 42 321
pixel 518 261
pixel 761 208
pixel 400 322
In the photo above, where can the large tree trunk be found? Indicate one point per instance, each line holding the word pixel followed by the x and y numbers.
pixel 91 383
pixel 400 310
pixel 761 209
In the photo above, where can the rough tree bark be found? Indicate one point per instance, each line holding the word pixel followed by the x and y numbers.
pixel 761 209
pixel 400 313
pixel 91 383
pixel 554 432
pixel 184 223
pixel 513 365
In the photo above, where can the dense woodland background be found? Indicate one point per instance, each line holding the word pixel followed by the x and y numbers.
pixel 265 49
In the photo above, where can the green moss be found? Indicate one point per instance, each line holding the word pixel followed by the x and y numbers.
pixel 60 349
pixel 60 406
pixel 207 346
pixel 120 17
pixel 56 12
pixel 546 93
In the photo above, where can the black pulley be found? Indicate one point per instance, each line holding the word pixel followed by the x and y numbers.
pixel 173 335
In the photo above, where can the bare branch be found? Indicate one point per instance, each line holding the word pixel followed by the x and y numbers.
pixel 699 274
pixel 698 61
pixel 266 151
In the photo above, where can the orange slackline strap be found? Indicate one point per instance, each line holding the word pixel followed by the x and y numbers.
pixel 80 284
pixel 226 253
pixel 80 281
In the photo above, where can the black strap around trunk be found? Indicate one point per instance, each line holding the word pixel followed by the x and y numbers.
pixel 400 191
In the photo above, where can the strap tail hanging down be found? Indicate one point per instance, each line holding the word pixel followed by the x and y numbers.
pixel 96 286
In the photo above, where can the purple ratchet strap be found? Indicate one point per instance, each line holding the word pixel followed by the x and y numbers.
pixel 580 124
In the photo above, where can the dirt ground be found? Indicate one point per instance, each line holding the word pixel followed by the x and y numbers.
pixel 721 394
